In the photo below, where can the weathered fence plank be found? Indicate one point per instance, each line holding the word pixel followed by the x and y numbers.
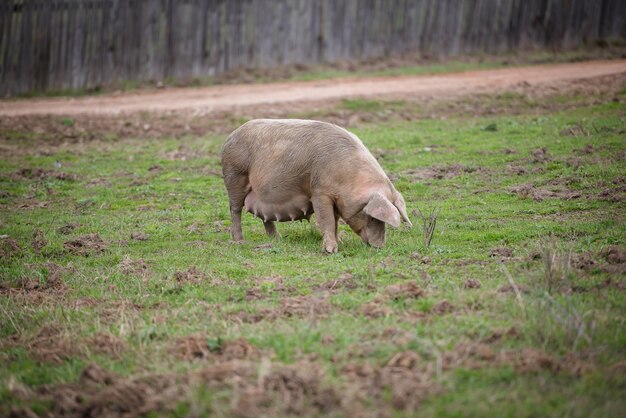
pixel 60 44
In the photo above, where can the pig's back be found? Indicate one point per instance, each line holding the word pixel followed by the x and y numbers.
pixel 283 157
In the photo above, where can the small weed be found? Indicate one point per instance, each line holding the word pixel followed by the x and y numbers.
pixel 557 267
pixel 362 104
pixel 429 223
pixel 69 122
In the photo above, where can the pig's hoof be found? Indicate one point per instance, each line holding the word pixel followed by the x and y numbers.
pixel 330 248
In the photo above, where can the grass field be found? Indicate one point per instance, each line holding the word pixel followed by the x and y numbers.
pixel 122 293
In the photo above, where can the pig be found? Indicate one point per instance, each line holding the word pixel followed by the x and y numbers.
pixel 287 169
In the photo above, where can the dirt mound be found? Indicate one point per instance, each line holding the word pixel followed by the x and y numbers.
pixel 53 284
pixel 198 346
pixel 41 174
pixel 375 310
pixel 344 281
pixel 501 252
pixel 68 228
pixel 192 275
pixel 529 190
pixel 86 245
pixel 38 241
pixel 9 248
pixel 51 345
pixel 137 267
pixel 293 390
pixel 102 394
pixel 471 284
pixel 540 155
pixel 442 307
pixel 439 172
pixel 405 377
pixel 139 236
pixel 103 343
pixel 407 290
pixel 304 306
pixel 614 254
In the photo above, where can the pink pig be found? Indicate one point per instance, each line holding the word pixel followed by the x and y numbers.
pixel 287 169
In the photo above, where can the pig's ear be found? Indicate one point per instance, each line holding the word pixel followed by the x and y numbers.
pixel 381 208
pixel 399 203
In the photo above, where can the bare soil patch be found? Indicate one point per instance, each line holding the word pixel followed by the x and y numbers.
pixel 198 346
pixel 131 116
pixel 86 245
pixel 137 267
pixel 104 343
pixel 191 275
pixel 440 172
pixel 407 290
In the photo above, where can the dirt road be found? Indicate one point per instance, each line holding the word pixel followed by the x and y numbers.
pixel 231 97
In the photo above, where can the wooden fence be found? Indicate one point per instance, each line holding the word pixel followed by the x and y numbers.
pixel 71 44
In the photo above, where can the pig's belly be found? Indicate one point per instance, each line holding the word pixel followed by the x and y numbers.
pixel 292 209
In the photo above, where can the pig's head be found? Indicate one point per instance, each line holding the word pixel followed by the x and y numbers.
pixel 369 223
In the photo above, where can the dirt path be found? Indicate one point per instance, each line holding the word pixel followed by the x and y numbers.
pixel 224 98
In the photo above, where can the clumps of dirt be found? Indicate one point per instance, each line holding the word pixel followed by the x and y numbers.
pixel 404 381
pixel 442 307
pixel 574 130
pixel 417 256
pixel 99 393
pixel 526 360
pixel 68 228
pixel 500 334
pixel 304 306
pixel 501 252
pixel 137 267
pixel 33 287
pixel 613 194
pixel 198 346
pixel 440 172
pixel 540 155
pixel 291 390
pixel 587 149
pixel 471 284
pixel 107 344
pixel 86 245
pixel 139 236
pixel 9 248
pixel 262 290
pixel 406 290
pixel 38 241
pixel 345 281
pixel 375 310
pixel 509 288
pixel 255 317
pixel 51 345
pixel 192 275
pixel 517 170
pixel 41 174
pixel 614 254
pixel 528 190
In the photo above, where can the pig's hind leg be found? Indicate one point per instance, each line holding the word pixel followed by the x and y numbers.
pixel 238 187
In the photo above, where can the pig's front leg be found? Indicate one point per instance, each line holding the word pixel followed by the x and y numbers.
pixel 326 221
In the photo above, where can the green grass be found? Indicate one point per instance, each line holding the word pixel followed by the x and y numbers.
pixel 116 193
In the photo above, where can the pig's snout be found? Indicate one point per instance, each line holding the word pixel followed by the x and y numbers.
pixel 374 238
